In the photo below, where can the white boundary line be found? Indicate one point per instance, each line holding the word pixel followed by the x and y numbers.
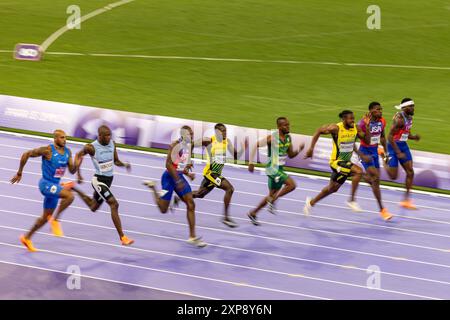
pixel 399 258
pixel 221 263
pixel 141 56
pixel 98 278
pixel 231 165
pixel 230 248
pixel 54 36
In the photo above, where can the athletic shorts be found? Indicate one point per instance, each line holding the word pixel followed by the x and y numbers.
pixel 276 179
pixel 51 191
pixel 101 185
pixel 393 160
pixel 341 170
pixel 169 186
pixel 212 180
pixel 372 152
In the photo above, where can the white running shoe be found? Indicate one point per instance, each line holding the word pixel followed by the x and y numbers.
pixel 307 208
pixel 354 206
pixel 229 222
pixel 198 242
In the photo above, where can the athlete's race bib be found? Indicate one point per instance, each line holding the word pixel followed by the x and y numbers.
pixel 375 140
pixel 59 173
pixel 219 158
pixel 346 146
pixel 218 181
pixel 105 166
pixel 404 137
pixel 282 160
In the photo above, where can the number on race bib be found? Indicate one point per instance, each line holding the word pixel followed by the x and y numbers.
pixel 346 146
pixel 218 181
pixel 375 140
pixel 59 173
pixel 106 166
pixel 404 137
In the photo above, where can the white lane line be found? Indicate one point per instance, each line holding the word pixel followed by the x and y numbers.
pixel 188 275
pixel 97 278
pixel 58 33
pixel 284 225
pixel 365 287
pixel 228 248
pixel 238 166
pixel 293 213
pixel 257 236
pixel 250 206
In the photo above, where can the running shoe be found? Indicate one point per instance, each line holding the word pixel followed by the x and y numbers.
pixel 307 208
pixel 126 241
pixel 253 219
pixel 229 222
pixel 197 241
pixel 354 206
pixel 56 227
pixel 386 215
pixel 27 243
pixel 407 204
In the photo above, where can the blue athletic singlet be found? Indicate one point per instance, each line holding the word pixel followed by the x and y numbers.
pixel 53 170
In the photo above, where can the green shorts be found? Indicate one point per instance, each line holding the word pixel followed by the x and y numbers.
pixel 277 179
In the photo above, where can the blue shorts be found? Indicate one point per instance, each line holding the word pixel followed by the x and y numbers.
pixel 372 152
pixel 393 160
pixel 50 190
pixel 168 186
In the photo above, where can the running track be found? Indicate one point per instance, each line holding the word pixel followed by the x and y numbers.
pixel 290 256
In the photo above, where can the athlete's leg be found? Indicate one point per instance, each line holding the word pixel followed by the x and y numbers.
pixel 289 186
pixel 263 202
pixel 201 192
pixel 190 210
pixel 40 222
pixel 374 174
pixel 66 200
pixel 90 202
pixel 409 170
pixel 114 205
pixel 332 187
pixel 229 190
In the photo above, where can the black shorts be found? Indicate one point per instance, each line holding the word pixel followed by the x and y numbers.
pixel 101 185
pixel 211 181
pixel 341 170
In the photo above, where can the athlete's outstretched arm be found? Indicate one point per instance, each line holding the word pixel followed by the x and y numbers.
pixel 397 124
pixel 261 143
pixel 326 129
pixel 292 154
pixel 119 163
pixel 87 149
pixel 72 168
pixel 414 137
pixel 38 152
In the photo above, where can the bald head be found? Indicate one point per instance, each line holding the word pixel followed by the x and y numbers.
pixel 59 138
pixel 104 135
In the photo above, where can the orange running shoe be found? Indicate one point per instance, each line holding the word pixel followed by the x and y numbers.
pixel 68 185
pixel 56 228
pixel 386 215
pixel 407 204
pixel 27 243
pixel 126 241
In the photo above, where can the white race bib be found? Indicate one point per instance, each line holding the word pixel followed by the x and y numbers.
pixel 375 140
pixel 219 158
pixel 346 146
pixel 404 137
pixel 282 160
pixel 105 166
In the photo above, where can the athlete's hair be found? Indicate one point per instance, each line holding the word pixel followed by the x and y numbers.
pixel 406 100
pixel 344 113
pixel 373 105
pixel 102 129
pixel 219 125
pixel 280 118
pixel 57 132
pixel 186 128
